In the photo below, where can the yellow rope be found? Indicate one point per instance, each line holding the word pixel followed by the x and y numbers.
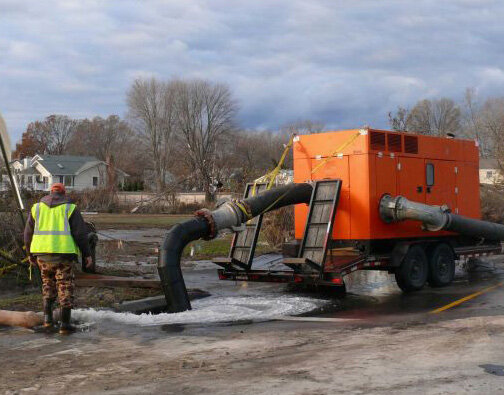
pixel 272 175
pixel 244 210
pixel 337 151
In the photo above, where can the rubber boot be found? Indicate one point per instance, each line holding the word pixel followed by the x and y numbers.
pixel 65 327
pixel 48 314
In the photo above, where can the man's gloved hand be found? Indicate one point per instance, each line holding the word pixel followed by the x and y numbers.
pixel 89 262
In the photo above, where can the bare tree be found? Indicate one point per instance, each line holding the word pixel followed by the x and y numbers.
pixel 151 106
pixel 205 115
pixel 59 128
pixel 399 120
pixel 473 122
pixel 104 138
pixel 434 117
pixel 50 136
pixel 303 127
pixel 252 154
pixel 491 118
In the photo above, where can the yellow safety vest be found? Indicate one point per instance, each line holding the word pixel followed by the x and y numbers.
pixel 52 233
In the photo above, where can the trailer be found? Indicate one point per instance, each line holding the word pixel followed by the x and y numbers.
pixel 364 199
pixel 341 230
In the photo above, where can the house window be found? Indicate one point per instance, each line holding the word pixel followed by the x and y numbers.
pixel 68 181
pixel 489 174
pixel 60 179
pixel 30 180
pixel 95 181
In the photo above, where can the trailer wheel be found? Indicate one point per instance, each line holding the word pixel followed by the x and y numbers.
pixel 441 266
pixel 414 269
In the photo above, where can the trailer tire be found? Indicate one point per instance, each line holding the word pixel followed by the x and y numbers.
pixel 441 265
pixel 412 274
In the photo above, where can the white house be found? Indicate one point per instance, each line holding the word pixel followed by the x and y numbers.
pixel 75 172
pixel 489 172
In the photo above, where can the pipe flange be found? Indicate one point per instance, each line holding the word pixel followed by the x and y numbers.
pixel 207 216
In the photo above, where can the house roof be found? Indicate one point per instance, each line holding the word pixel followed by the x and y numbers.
pixel 65 164
pixel 488 163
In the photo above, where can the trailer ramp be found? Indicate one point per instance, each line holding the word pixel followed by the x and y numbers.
pixel 318 229
pixel 244 241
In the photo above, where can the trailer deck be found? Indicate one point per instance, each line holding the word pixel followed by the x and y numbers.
pixel 315 262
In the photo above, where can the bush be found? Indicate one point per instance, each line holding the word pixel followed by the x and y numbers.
pixel 103 200
pixel 278 226
pixel 11 250
pixel 492 203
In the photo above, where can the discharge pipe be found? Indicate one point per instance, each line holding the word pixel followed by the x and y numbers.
pixel 434 218
pixel 206 225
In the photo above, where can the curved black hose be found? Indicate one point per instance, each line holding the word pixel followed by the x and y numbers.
pixel 169 270
pixel 226 216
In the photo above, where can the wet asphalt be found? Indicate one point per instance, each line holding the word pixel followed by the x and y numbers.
pixel 372 299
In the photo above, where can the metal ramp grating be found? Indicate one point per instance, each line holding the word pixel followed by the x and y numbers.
pixel 319 225
pixel 244 241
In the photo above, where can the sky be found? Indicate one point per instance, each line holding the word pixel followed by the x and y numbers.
pixel 345 63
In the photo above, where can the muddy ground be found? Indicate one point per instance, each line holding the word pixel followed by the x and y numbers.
pixel 127 253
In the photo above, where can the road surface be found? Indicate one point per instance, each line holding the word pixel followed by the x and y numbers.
pixel 374 340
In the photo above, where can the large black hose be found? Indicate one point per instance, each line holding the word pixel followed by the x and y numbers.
pixel 169 270
pixel 207 224
pixel 434 218
pixel 279 197
pixel 475 227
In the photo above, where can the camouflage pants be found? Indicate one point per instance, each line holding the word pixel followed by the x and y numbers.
pixel 57 279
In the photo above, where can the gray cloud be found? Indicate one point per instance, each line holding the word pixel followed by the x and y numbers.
pixel 345 63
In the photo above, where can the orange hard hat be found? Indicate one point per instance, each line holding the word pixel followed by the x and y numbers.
pixel 58 187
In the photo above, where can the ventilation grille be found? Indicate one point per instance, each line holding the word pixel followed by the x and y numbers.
pixel 394 142
pixel 411 144
pixel 377 141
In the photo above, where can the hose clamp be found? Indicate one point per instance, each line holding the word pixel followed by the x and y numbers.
pixel 207 216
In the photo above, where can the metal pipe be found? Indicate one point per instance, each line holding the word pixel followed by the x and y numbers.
pixel 14 185
pixel 434 218
pixel 207 225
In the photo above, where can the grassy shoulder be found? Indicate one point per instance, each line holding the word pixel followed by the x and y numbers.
pixel 203 249
pixel 135 221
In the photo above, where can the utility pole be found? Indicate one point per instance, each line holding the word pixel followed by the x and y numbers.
pixel 15 191
pixel 14 185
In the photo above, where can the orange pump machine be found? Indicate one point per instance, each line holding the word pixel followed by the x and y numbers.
pixel 365 199
pixel 372 163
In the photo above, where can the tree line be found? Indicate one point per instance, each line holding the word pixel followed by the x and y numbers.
pixel 183 134
pixel 472 118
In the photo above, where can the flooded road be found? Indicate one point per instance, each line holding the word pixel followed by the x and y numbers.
pixel 254 338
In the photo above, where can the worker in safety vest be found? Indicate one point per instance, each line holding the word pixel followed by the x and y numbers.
pixel 54 234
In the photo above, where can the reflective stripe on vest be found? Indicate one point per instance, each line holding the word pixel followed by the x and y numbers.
pixel 52 233
pixel 65 232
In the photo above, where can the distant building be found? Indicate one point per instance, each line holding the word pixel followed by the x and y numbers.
pixel 490 172
pixel 75 172
pixel 283 177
